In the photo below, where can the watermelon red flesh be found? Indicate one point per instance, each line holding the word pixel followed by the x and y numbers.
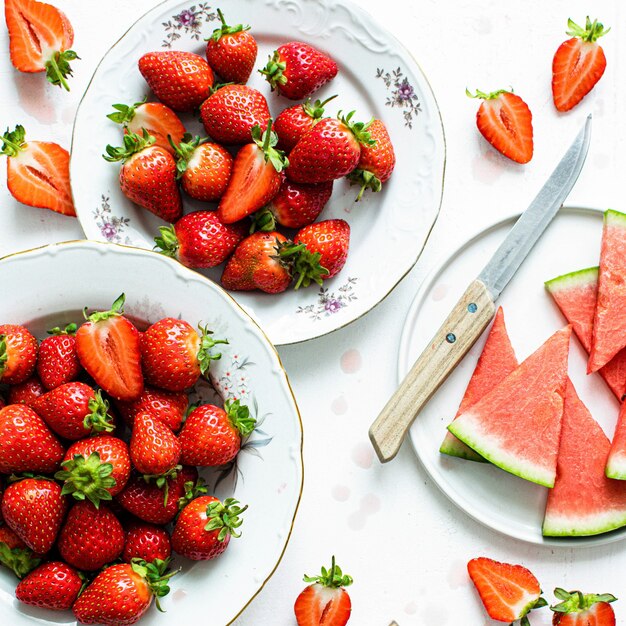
pixel 575 294
pixel 517 424
pixel 616 463
pixel 609 323
pixel 584 501
pixel 496 362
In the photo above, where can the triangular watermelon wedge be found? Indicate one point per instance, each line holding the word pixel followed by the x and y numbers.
pixel 495 363
pixel 616 463
pixel 576 294
pixel 584 501
pixel 609 323
pixel 517 425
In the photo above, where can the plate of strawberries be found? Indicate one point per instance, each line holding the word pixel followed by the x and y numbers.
pixel 150 444
pixel 294 153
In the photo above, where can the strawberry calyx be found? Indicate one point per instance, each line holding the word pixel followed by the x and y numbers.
pixel 98 420
pixel 267 141
pixel 359 129
pixel 302 264
pixel 263 221
pixel 205 355
pixel 590 33
pixel 332 578
pixel 167 243
pixel 192 491
pixel 86 478
pixel 116 310
pixel 225 29
pixel 225 517
pixel 274 71
pixel 4 357
pixel 58 67
pixel 218 86
pixel 184 151
pixel 156 575
pixel 133 143
pixel 538 604
pixel 162 480
pixel 20 561
pixel 316 110
pixel 577 602
pixel 124 113
pixel 483 95
pixel 239 416
pixel 70 329
pixel 14 142
pixel 366 179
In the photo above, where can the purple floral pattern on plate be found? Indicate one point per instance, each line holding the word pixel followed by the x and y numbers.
pixel 402 94
pixel 111 226
pixel 330 302
pixel 188 22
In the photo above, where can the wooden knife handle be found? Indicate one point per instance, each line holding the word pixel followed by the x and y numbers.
pixel 468 319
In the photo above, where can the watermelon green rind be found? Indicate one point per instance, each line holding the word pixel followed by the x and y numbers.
pixel 616 466
pixel 454 447
pixel 573 279
pixel 580 526
pixel 615 218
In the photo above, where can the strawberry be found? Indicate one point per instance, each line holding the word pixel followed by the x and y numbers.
pixel 156 118
pixel 325 602
pixel 295 122
pixel 212 436
pixel 230 113
pixel 38 172
pixel 91 537
pixel 180 80
pixel 74 410
pixel 296 70
pixel 26 392
pixel 95 468
pixel 578 64
pixel 18 354
pixel 508 592
pixel 122 593
pixel 204 527
pixel 53 585
pixel 147 542
pixel 34 509
pixel 148 175
pixel 203 168
pixel 108 348
pixel 26 443
pixel 505 121
pixel 40 38
pixel 58 362
pixel 14 554
pixel 377 161
pixel 199 239
pixel 256 177
pixel 174 355
pixel 330 150
pixel 231 51
pixel 576 609
pixel 154 448
pixel 170 407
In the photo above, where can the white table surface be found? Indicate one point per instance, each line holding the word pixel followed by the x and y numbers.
pixel 405 544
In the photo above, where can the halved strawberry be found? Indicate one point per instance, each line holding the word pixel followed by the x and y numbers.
pixel 576 609
pixel 108 348
pixel 38 172
pixel 505 121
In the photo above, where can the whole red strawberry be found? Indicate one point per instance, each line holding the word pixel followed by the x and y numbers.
pixel 212 436
pixel 53 585
pixel 26 443
pixel 27 392
pixel 122 593
pixel 154 448
pixel 14 554
pixel 296 70
pixel 330 150
pixel 232 51
pixel 200 239
pixel 58 362
pixel 204 527
pixel 377 161
pixel 168 406
pixel 147 542
pixel 180 80
pixel 578 609
pixel 174 355
pixel 91 537
pixel 34 510
pixel 295 122
pixel 148 175
pixel 18 354
pixel 230 114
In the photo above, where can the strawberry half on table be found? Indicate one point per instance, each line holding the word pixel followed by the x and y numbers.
pixel 38 172
pixel 577 609
pixel 40 38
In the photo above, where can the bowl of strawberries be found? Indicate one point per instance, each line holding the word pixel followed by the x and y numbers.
pixel 147 430
pixel 296 158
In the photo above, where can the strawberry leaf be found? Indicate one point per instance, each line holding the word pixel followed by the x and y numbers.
pixel 333 577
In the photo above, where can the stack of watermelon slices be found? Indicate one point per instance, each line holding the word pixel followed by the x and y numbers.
pixel 569 449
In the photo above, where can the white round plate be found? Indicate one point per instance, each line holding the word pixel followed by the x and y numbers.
pixel 377 77
pixel 64 278
pixel 500 500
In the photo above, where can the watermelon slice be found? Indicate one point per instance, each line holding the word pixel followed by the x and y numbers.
pixel 496 362
pixel 609 323
pixel 517 424
pixel 575 294
pixel 584 501
pixel 616 463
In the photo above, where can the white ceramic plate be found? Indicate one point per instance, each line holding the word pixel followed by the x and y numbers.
pixel 377 77
pixel 64 278
pixel 499 500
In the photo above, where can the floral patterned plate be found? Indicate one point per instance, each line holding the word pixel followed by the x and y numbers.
pixel 268 473
pixel 377 77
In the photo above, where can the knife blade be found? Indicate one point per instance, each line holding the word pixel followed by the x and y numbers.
pixel 476 307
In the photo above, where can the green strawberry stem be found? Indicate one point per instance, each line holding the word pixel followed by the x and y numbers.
pixel 192 491
pixel 3 354
pixel 14 142
pixel 267 142
pixel 58 67
pixel 359 129
pixel 167 242
pixel 205 355
pixel 274 71
pixel 333 577
pixel 592 31
pixel 70 329
pixel 225 29
pixel 366 179
pixel 576 602
pixel 184 151
pixel 156 576
pixel 117 309
pixel 484 95
pixel 225 517
pixel 86 478
pixel 263 220
pixel 316 110
pixel 20 561
pixel 162 481
pixel 240 418
pixel 302 264
pixel 124 113
pixel 98 420
pixel 133 143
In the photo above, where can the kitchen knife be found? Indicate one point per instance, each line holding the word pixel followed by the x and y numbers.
pixel 476 308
